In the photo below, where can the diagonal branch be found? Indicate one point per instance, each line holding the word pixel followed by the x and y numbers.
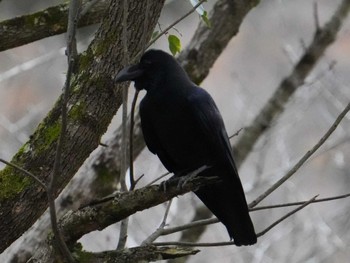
pixel 219 244
pixel 323 38
pixel 136 254
pixel 52 21
pixel 303 159
pixel 75 224
pixel 74 7
pixel 286 216
pixel 205 222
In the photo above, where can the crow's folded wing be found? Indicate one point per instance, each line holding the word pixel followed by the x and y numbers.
pixel 207 116
pixel 151 139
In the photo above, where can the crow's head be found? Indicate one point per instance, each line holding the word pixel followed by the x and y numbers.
pixel 155 68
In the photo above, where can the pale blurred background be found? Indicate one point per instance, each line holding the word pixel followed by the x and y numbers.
pixel 270 41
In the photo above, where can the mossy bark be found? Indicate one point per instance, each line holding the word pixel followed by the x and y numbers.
pixel 93 102
pixel 52 21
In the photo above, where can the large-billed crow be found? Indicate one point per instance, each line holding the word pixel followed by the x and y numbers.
pixel 182 125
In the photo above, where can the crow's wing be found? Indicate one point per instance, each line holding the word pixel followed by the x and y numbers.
pixel 151 139
pixel 225 199
pixel 208 118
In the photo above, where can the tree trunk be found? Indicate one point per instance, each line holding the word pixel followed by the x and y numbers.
pixel 93 101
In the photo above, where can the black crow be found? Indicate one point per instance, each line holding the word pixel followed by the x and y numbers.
pixel 183 126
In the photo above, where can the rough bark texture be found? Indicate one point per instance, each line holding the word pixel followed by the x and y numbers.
pixel 52 21
pixel 208 43
pixel 92 104
pixel 77 223
pixel 135 255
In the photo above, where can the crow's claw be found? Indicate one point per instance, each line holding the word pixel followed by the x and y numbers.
pixel 184 179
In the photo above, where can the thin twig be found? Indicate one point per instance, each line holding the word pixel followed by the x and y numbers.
pixel 209 221
pixel 123 235
pixel 316 18
pixel 71 54
pixel 133 107
pixel 160 229
pixel 217 244
pixel 103 144
pixel 191 244
pixel 300 203
pixel 197 223
pixel 174 23
pixel 25 172
pixel 236 133
pixel 165 31
pixel 303 159
pixel 131 142
pixel 322 39
pixel 158 178
pixel 125 98
pixel 285 217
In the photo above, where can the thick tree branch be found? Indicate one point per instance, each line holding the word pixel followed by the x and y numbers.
pixel 136 254
pixel 208 43
pixel 75 224
pixel 52 21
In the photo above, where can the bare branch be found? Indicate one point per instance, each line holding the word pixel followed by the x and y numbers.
pixel 160 229
pixel 285 217
pixel 323 38
pixel 303 159
pixel 300 203
pixel 165 31
pixel 71 54
pixel 316 18
pixel 123 233
pixel 131 141
pixel 77 223
pixel 197 223
pixel 158 178
pixel 236 133
pixel 204 222
pixel 137 254
pixel 52 21
pixel 217 244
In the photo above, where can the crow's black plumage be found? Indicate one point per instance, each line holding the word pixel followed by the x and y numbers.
pixel 182 125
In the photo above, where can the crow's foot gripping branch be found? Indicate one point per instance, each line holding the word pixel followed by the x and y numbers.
pixel 183 178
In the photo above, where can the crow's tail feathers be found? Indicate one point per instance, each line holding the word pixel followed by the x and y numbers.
pixel 227 202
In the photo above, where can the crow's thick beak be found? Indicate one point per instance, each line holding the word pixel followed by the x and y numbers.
pixel 129 73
